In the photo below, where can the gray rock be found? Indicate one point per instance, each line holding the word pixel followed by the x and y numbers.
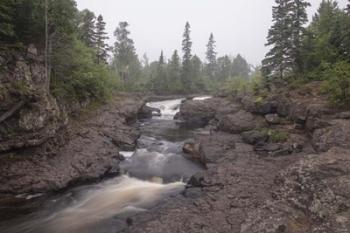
pixel 255 136
pixel 239 122
pixel 272 119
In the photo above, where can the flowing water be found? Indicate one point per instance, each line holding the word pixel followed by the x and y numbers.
pixel 153 173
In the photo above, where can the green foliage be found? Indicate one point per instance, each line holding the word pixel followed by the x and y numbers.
pixel 239 84
pixel 86 79
pixel 125 60
pixel 285 38
pixel 275 136
pixel 337 83
pixel 211 57
pixel 186 61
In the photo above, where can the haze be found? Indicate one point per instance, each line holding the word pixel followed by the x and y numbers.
pixel 239 26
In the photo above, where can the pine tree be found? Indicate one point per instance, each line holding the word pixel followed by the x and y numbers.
pixel 87 29
pixel 186 61
pixel 278 61
pixel 197 73
pixel 348 7
pixel 299 19
pixel 174 73
pixel 101 37
pixel 125 58
pixel 7 32
pixel 211 57
pixel 161 83
pixel 224 68
pixel 240 67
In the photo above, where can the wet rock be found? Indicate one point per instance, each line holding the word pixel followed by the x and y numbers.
pixel 336 135
pixel 273 119
pixel 210 149
pixel 148 112
pixel 239 122
pixel 196 114
pixel 276 104
pixel 255 136
pixel 343 115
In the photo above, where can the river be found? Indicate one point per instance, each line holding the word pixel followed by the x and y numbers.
pixel 155 172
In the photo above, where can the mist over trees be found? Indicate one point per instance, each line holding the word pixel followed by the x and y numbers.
pixel 83 65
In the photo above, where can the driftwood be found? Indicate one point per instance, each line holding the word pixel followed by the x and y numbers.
pixel 12 111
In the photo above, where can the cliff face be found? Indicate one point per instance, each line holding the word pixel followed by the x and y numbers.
pixel 29 115
pixel 41 147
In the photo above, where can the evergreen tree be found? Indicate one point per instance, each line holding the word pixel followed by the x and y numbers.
pixel 278 61
pixel 101 37
pixel 186 61
pixel 224 68
pixel 348 7
pixel 174 73
pixel 7 32
pixel 125 58
pixel 240 67
pixel 197 73
pixel 211 57
pixel 324 39
pixel 299 19
pixel 87 29
pixel 161 83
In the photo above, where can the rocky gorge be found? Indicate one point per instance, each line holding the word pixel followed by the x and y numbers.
pixel 275 164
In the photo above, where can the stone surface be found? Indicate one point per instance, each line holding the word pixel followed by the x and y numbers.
pixel 272 119
pixel 86 150
pixel 239 122
pixel 336 135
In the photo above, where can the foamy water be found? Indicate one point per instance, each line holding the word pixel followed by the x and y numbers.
pixel 120 195
pixel 168 108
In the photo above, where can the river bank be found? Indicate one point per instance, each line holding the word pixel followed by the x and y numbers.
pixel 278 164
pixel 84 149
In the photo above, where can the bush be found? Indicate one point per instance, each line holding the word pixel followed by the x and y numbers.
pixel 84 79
pixel 237 85
pixel 337 83
pixel 275 136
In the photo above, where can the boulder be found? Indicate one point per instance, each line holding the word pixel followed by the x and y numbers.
pixel 239 122
pixel 336 135
pixel 147 112
pixel 210 149
pixel 195 114
pixel 255 136
pixel 273 119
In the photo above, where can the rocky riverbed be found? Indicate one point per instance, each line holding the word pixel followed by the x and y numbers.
pixel 278 164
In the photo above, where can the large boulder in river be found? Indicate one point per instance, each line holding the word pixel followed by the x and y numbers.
pixel 148 112
pixel 240 122
pixel 198 113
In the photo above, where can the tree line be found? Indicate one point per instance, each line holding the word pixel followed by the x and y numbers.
pixel 82 65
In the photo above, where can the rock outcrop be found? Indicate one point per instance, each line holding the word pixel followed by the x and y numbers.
pixel 29 115
pixel 44 149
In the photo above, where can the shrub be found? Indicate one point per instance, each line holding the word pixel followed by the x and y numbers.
pixel 275 136
pixel 337 83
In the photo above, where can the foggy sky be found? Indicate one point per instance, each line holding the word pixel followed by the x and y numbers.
pixel 239 26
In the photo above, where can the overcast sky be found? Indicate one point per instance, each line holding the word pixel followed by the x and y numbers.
pixel 239 26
